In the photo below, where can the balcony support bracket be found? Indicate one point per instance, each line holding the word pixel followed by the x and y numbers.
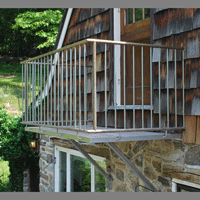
pixel 132 166
pixel 96 165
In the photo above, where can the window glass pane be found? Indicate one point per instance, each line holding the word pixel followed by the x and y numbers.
pixel 147 13
pixel 138 14
pixel 80 174
pixel 62 172
pixel 100 181
pixel 129 16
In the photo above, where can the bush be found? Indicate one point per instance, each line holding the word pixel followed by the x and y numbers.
pixel 14 148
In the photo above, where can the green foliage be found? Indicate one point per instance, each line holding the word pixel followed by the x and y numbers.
pixel 138 14
pixel 100 181
pixel 14 148
pixel 22 30
pixel 40 24
pixel 7 66
pixel 4 176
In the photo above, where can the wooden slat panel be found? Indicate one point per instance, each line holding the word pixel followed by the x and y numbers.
pixel 86 26
pixel 160 27
pixel 192 102
pixel 189 135
pixel 186 19
pixel 174 20
pixel 74 17
pixel 196 21
pixel 198 131
pixel 193 44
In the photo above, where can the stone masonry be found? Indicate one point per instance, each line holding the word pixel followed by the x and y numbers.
pixel 159 161
pixel 46 165
pixel 26 181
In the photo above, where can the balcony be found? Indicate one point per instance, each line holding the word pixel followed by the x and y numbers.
pixel 102 90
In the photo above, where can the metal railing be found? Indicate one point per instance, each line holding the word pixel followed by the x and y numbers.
pixel 56 88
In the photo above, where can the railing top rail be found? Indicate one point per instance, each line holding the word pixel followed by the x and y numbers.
pixel 55 51
pixel 101 41
pixel 133 44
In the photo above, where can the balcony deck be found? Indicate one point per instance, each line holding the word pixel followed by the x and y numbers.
pixel 79 84
pixel 102 137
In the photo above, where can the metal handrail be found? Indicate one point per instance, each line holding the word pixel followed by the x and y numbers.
pixel 75 62
pixel 100 41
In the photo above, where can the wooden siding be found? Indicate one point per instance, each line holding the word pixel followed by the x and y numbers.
pixel 88 23
pixel 180 27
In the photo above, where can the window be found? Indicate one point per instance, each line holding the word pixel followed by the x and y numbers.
pixel 74 173
pixel 136 14
pixel 184 186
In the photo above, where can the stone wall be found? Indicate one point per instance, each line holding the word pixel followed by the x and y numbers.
pixel 26 181
pixel 159 161
pixel 46 165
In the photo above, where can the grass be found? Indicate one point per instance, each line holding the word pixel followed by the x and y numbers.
pixel 4 176
pixel 11 86
pixel 8 66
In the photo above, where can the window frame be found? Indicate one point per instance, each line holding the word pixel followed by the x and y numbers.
pixel 177 185
pixel 126 23
pixel 70 152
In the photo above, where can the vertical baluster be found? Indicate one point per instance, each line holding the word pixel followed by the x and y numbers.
pixel 48 90
pixel 66 56
pixel 79 87
pixel 33 92
pixel 133 86
pixel 167 89
pixel 51 89
pixel 159 104
pixel 22 92
pixel 94 88
pixel 38 91
pixel 26 92
pixel 62 90
pixel 41 91
pixel 70 87
pixel 35 83
pixel 59 89
pixel 183 77
pixel 85 89
pixel 54 96
pixel 105 75
pixel 175 82
pixel 30 94
pixel 115 95
pixel 142 80
pixel 151 87
pixel 74 87
pixel 44 99
pixel 124 79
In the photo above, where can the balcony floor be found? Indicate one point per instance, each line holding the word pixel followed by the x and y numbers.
pixel 116 136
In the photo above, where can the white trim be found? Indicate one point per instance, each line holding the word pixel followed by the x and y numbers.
pixel 117 53
pixel 79 154
pixel 68 174
pixel 60 43
pixel 57 170
pixel 177 181
pixel 92 178
pixel 64 29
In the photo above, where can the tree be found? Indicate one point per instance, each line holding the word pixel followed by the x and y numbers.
pixel 42 25
pixel 22 30
pixel 14 147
